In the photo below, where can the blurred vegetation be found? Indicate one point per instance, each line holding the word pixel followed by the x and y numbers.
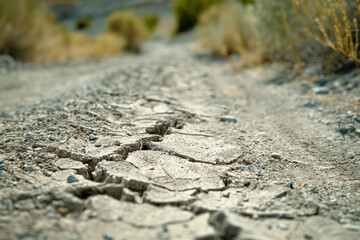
pixel 150 21
pixel 83 23
pixel 30 33
pixel 126 25
pixel 295 30
pixel 227 29
pixel 187 12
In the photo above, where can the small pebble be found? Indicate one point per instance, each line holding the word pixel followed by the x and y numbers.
pixel 46 173
pixel 52 129
pixel 28 136
pixel 92 137
pixel 108 236
pixel 72 179
pixel 344 131
pixel 259 173
pixel 321 82
pixel 38 160
pixel 117 143
pixel 357 132
pixel 54 169
pixel 2 166
pixel 52 138
pixel 246 183
pixel 2 160
pixel 320 90
pixel 2 173
pixel 226 195
pixel 151 168
pixel 217 160
pixel 269 226
pixel 290 184
pixel 308 236
pixel 276 155
pixel 228 119
pixel 97 144
pixel 29 167
pixel 283 227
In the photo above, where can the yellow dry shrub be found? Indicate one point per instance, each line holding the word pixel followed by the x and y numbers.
pixel 226 29
pixel 131 28
pixel 27 32
pixel 335 24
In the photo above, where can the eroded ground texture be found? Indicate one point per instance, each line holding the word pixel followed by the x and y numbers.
pixel 169 146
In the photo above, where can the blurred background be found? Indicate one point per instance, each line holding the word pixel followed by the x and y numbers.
pixel 251 31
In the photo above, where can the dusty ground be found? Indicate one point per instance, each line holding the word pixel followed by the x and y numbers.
pixel 169 146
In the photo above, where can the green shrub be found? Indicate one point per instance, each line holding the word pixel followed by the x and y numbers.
pixel 150 21
pixel 126 25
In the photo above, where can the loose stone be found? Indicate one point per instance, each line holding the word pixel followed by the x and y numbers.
pixel 52 129
pixel 38 160
pixel 320 90
pixel 46 173
pixel 108 236
pixel 308 237
pixel 28 136
pixel 97 144
pixel 217 160
pixel 92 137
pixel 52 138
pixel 228 119
pixel 276 155
pixel 29 167
pixel 72 179
pixel 283 227
pixel 290 184
pixel 2 166
pixel 2 160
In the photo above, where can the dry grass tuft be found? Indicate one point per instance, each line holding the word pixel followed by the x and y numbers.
pixel 126 25
pixel 230 28
pixel 335 25
pixel 30 33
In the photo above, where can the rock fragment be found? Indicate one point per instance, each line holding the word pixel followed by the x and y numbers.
pixel 72 179
pixel 276 155
pixel 226 118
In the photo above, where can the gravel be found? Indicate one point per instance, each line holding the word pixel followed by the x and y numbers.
pixel 72 179
pixel 320 90
pixel 228 119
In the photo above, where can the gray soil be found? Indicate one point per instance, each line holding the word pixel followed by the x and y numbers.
pixel 168 146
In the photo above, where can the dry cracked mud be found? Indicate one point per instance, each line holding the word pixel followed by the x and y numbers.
pixel 167 146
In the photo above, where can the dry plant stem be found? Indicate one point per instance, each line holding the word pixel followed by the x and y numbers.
pixel 334 23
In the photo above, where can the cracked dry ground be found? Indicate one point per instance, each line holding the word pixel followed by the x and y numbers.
pixel 142 154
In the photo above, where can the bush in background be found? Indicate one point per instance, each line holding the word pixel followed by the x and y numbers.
pixel 150 21
pixel 226 29
pixel 126 25
pixel 187 12
pixel 29 33
pixel 83 23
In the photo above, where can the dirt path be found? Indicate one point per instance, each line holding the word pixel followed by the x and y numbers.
pixel 165 146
